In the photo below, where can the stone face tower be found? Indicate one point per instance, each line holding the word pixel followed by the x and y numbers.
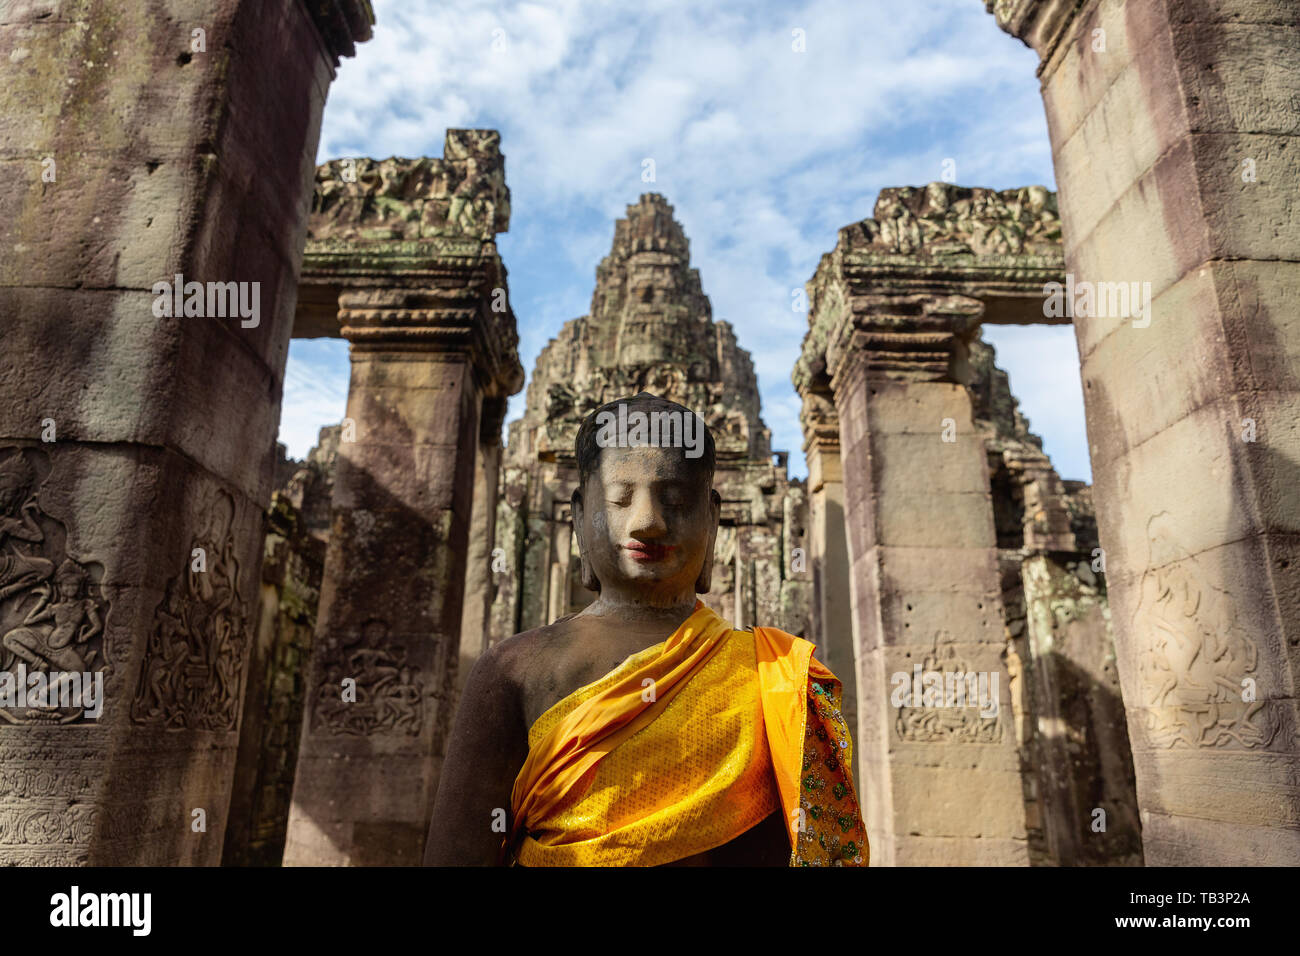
pixel 650 327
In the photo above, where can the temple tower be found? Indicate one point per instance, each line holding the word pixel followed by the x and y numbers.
pixel 650 327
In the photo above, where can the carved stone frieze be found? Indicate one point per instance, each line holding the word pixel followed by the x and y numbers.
pixel 938 720
pixel 943 220
pixel 463 194
pixel 43 827
pixel 194 660
pixel 368 687
pixel 1199 672
pixel 932 260
pixel 52 611
pixel 401 254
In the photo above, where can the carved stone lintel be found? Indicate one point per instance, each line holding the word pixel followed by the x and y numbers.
pixel 461 195
pixel 928 261
pixel 407 245
pixel 944 222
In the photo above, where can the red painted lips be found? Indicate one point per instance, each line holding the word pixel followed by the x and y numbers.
pixel 648 551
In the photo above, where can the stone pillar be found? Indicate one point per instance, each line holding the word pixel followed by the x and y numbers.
pixel 534 583
pixel 482 539
pixel 796 586
pixel 511 530
pixel 744 588
pixel 144 146
pixel 274 695
pixel 558 572
pixel 893 314
pixel 1080 748
pixel 407 250
pixel 833 626
pixel 1195 108
pixel 941 784
pixel 388 635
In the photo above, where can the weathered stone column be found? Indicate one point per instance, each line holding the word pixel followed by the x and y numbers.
pixel 891 312
pixel 432 341
pixel 1193 398
pixel 941 783
pixel 274 695
pixel 511 531
pixel 832 623
pixel 144 147
pixel 1079 746
pixel 561 548
pixel 482 539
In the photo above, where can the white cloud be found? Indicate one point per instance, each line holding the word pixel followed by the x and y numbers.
pixel 764 152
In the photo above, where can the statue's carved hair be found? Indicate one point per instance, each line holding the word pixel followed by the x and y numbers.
pixel 587 449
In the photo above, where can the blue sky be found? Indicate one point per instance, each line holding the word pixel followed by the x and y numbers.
pixel 764 152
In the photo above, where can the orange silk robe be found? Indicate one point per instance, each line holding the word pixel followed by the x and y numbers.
pixel 685 746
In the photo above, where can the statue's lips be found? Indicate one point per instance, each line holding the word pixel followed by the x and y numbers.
pixel 643 551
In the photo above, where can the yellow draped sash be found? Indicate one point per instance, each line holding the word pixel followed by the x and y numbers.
pixel 685 746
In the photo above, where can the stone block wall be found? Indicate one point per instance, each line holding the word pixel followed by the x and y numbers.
pixel 1173 139
pixel 145 143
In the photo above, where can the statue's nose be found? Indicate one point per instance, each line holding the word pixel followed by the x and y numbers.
pixel 646 520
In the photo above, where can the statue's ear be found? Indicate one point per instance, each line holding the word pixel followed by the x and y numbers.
pixel 705 581
pixel 589 579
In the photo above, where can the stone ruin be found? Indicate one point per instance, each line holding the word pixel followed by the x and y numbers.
pixel 935 506
pixel 137 455
pixel 650 328
pixel 780 554
pixel 401 260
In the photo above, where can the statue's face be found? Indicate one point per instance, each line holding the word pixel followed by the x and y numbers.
pixel 646 522
pixel 69 585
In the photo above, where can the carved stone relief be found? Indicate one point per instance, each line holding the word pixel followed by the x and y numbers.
pixel 52 611
pixel 943 219
pixel 918 723
pixel 463 194
pixel 193 663
pixel 386 694
pixel 1197 672
pixel 50 827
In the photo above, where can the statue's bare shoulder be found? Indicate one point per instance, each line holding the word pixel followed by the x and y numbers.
pixel 546 664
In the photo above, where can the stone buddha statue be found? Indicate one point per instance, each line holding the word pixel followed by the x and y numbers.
pixel 644 729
